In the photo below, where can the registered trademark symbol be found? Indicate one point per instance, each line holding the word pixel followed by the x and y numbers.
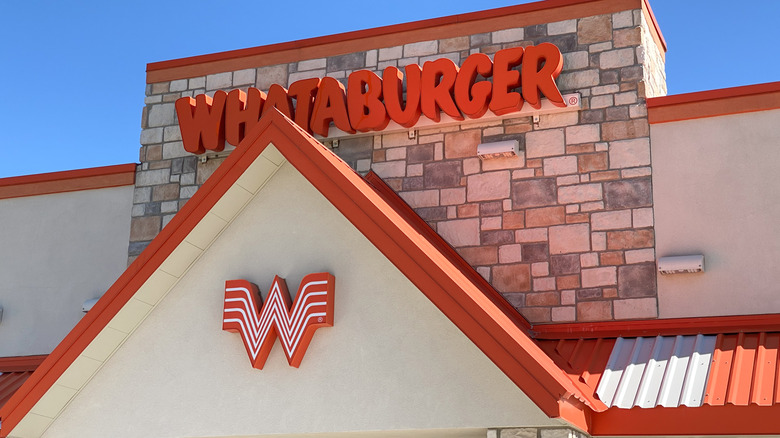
pixel 573 100
pixel 319 319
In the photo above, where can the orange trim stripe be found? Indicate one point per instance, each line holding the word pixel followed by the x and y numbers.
pixel 67 181
pixel 703 420
pixel 387 36
pixel 713 103
pixel 656 327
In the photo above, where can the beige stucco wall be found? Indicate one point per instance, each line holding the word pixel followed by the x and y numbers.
pixel 716 184
pixel 392 361
pixel 57 251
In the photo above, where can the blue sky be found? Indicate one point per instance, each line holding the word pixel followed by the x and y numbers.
pixel 74 72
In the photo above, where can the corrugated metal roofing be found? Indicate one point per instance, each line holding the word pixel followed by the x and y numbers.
pixel 583 359
pixel 10 382
pixel 745 370
pixel 664 371
pixel 14 371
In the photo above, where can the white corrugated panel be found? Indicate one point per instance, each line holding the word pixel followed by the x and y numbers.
pixel 666 370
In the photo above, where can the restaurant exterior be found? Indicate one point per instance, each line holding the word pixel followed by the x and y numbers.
pixel 487 225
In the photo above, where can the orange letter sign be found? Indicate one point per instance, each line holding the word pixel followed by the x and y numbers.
pixel 313 308
pixel 202 122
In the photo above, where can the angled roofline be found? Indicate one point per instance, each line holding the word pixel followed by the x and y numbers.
pixel 67 181
pixel 455 292
pixel 393 35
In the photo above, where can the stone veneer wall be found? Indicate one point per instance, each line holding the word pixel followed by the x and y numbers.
pixel 564 231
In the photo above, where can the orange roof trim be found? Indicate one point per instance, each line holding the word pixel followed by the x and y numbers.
pixel 713 103
pixel 386 36
pixel 418 255
pixel 67 181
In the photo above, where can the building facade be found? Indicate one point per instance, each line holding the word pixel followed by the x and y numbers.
pixel 509 216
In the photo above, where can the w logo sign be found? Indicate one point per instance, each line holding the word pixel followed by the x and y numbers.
pixel 294 324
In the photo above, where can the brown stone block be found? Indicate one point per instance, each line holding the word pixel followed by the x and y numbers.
pixel 592 116
pixel 594 311
pixel 542 299
pixel 513 220
pixel 161 87
pixel 453 44
pixel 396 184
pixel 350 61
pixel 154 152
pixel 546 216
pixel 577 218
pixel 356 148
pixel 536 314
pixel 580 148
pixel 468 210
pixel 499 237
pixel 610 292
pixel 631 36
pixel 442 174
pixel 493 208
pixel 534 193
pixel 516 300
pixel 462 144
pixel 534 163
pixel 165 192
pixel 605 176
pixel 419 154
pixel 565 264
pixel 432 213
pixel 171 97
pixel 630 239
pixel 594 29
pixel 625 129
pixel 534 252
pixel 162 164
pixel 591 162
pixel 479 255
pixel 611 258
pixel 593 293
pixel 567 282
pixel 519 128
pixel 636 281
pixel 628 193
pixel 489 50
pixel 144 228
pixel 413 183
pixel 618 113
pixel 512 278
pixel 378 155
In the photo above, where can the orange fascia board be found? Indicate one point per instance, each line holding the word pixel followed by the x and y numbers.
pixel 68 181
pixel 659 327
pixel 713 103
pixel 17 364
pixel 683 420
pixel 394 35
pixel 450 290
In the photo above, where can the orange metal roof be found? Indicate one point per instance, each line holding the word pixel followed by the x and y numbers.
pixel 14 371
pixel 744 370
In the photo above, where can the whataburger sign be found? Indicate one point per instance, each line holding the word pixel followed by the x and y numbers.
pixel 519 75
pixel 294 323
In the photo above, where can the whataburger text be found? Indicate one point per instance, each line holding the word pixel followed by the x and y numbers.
pixel 369 102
